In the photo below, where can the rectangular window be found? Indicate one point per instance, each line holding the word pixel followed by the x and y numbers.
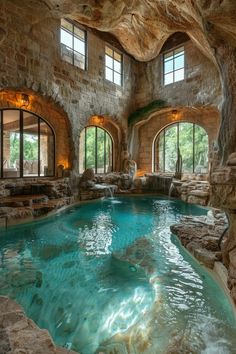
pixel 73 44
pixel 173 67
pixel 113 66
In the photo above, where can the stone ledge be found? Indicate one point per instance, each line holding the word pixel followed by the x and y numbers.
pixel 19 334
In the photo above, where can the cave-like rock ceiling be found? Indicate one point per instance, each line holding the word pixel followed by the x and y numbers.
pixel 142 26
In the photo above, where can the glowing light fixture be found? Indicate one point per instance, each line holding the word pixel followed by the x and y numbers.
pixel 24 100
pixel 175 114
pixel 98 119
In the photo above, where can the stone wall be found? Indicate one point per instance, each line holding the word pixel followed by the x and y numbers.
pixel 200 87
pixel 30 60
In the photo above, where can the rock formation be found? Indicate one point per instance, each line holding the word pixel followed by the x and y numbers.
pixel 18 334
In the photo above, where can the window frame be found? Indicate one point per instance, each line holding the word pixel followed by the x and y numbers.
pixel 72 33
pixel 96 157
pixel 156 151
pixel 114 51
pixel 21 143
pixel 173 50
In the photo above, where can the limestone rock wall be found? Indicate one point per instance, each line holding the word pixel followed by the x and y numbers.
pixel 200 87
pixel 30 60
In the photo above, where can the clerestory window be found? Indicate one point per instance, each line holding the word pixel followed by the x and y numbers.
pixel 113 66
pixel 173 66
pixel 73 44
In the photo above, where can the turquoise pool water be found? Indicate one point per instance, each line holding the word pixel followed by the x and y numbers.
pixel 108 277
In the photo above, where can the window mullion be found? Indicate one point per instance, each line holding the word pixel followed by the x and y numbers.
pixel 39 165
pixel 21 144
pixel 96 149
pixel 164 151
pixel 1 147
pixel 105 152
pixel 85 148
pixel 193 148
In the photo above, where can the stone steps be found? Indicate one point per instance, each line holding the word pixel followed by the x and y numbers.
pixel 22 200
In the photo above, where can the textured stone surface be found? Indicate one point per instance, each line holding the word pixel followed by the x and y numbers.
pixel 201 235
pixel 23 198
pixel 20 335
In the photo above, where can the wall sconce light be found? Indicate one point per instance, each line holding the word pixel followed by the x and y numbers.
pixel 98 119
pixel 24 100
pixel 175 114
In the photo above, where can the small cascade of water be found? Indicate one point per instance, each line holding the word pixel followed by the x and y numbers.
pixel 109 192
pixel 172 186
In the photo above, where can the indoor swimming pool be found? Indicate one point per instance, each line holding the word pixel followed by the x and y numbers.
pixel 108 275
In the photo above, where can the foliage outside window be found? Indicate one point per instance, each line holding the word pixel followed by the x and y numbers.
pixel 113 66
pixel 26 145
pixel 191 139
pixel 73 44
pixel 174 66
pixel 95 150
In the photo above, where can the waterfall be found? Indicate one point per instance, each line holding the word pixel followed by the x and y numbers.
pixel 109 192
pixel 172 186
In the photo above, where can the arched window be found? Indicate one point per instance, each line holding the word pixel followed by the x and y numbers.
pixel 192 142
pixel 96 150
pixel 27 145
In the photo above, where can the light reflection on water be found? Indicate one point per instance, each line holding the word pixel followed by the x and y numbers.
pixel 112 269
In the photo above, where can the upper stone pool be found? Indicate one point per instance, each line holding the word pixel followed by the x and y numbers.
pixel 108 277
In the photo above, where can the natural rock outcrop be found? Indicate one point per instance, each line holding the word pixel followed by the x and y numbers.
pixel 201 235
pixel 18 334
pixel 26 198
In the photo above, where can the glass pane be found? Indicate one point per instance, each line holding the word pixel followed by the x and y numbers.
pixel 179 50
pixel 168 66
pixel 109 74
pixel 11 143
pixel 79 33
pixel 67 25
pixel 179 62
pixel 30 144
pixel 201 150
pixel 66 38
pixel 179 75
pixel 186 146
pixel 90 147
pixel 117 56
pixel 117 66
pixel 79 60
pixel 46 150
pixel 108 61
pixel 109 51
pixel 108 154
pixel 170 148
pixel 168 79
pixel 100 150
pixel 168 56
pixel 67 54
pixel 82 152
pixel 159 152
pixel 79 46
pixel 117 79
